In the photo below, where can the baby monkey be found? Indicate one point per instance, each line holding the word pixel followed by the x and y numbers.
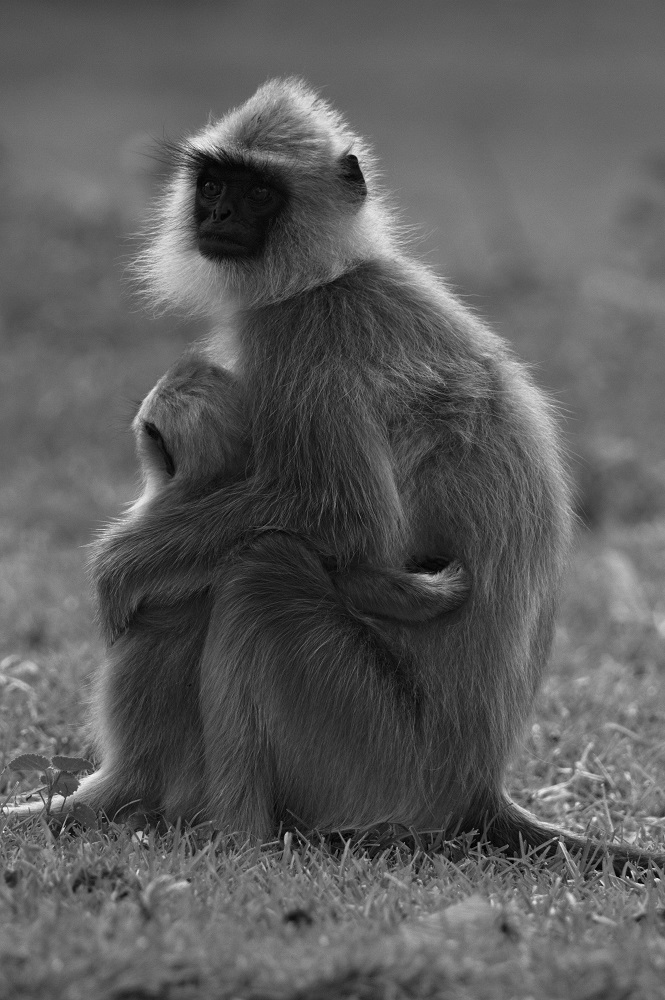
pixel 192 430
pixel 192 435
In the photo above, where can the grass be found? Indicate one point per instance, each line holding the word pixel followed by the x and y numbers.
pixel 117 914
pixel 121 918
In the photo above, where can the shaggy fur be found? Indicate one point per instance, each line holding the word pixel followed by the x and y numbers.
pixel 147 724
pixel 387 425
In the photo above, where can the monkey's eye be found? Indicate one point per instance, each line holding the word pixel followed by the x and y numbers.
pixel 211 189
pixel 155 435
pixel 260 194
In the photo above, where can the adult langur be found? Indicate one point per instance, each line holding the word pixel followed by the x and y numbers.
pixel 387 429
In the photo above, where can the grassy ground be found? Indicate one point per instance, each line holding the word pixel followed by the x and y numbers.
pixel 110 914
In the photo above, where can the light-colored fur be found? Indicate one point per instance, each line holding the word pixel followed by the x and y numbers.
pixel 387 424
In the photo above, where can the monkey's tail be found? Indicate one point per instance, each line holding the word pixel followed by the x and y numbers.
pixel 521 833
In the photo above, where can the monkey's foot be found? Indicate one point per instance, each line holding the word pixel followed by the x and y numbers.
pixel 59 806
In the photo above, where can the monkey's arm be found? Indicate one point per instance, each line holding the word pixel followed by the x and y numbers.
pixel 170 549
pixel 172 546
pixel 322 464
pixel 167 551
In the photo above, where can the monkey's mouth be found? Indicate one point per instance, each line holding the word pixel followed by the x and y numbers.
pixel 218 247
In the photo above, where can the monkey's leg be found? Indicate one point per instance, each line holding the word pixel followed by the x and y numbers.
pixel 308 716
pixel 146 720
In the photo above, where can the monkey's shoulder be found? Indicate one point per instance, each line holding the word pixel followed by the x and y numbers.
pixel 401 308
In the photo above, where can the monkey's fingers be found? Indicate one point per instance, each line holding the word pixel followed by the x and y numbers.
pixel 118 585
pixel 452 582
pixel 400 595
pixel 113 613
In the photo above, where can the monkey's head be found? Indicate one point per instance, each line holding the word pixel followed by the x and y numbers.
pixel 190 429
pixel 266 202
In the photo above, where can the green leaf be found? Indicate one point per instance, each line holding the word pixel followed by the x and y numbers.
pixel 29 762
pixel 72 764
pixel 84 815
pixel 65 784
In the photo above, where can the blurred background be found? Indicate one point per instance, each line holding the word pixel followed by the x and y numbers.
pixel 523 140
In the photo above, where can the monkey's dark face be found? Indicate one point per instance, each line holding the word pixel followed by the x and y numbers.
pixel 234 209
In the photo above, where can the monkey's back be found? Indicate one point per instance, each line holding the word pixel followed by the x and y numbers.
pixel 476 462
pixel 481 475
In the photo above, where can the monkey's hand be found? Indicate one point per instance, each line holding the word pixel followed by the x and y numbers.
pixel 126 570
pixel 397 594
pixel 118 580
pixel 158 554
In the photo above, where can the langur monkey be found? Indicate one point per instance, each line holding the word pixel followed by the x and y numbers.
pixel 387 428
pixel 191 433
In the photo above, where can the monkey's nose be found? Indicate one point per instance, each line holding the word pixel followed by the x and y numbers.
pixel 220 214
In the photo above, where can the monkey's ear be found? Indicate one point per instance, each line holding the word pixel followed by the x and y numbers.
pixel 353 175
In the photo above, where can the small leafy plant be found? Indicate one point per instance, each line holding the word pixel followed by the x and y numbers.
pixel 58 774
